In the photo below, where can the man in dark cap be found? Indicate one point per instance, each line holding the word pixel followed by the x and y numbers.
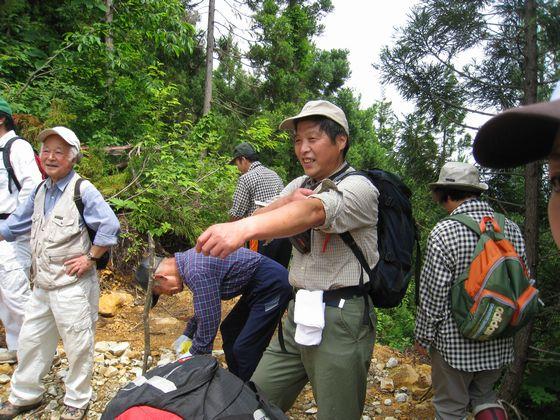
pixel 525 134
pixel 256 187
pixel 246 331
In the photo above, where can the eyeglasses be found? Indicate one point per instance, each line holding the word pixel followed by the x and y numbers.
pixel 555 183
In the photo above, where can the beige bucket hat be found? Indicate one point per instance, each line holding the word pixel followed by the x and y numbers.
pixel 459 176
pixel 519 135
pixel 324 108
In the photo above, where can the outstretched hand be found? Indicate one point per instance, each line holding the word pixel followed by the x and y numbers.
pixel 221 240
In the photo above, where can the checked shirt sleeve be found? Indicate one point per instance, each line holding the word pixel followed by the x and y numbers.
pixel 435 285
pixel 207 313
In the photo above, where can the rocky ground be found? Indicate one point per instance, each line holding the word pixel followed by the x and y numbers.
pixel 398 384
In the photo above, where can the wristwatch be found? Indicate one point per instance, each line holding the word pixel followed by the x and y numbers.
pixel 90 256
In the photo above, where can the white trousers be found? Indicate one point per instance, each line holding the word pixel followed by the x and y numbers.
pixel 70 311
pixel 15 260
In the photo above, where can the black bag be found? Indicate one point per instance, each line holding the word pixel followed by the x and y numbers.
pixel 10 169
pixel 102 262
pixel 194 388
pixel 396 236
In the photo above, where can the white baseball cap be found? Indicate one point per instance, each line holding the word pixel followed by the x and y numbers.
pixel 65 133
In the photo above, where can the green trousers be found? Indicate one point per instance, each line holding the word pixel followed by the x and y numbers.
pixel 337 368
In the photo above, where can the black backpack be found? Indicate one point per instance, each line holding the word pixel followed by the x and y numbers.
pixel 397 236
pixel 102 262
pixel 194 388
pixel 10 169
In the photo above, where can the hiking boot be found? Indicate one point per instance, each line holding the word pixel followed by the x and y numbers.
pixel 9 411
pixel 8 356
pixel 73 413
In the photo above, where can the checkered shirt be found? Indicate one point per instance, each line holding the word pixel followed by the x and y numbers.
pixel 212 280
pixel 351 205
pixel 448 255
pixel 258 183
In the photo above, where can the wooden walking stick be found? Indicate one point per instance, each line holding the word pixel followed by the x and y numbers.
pixel 148 302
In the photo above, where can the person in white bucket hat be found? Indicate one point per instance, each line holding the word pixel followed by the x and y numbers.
pixel 65 296
pixel 464 371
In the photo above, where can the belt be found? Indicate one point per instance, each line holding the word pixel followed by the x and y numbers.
pixel 4 216
pixel 333 297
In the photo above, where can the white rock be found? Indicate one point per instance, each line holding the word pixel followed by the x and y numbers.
pixel 52 391
pixel 136 371
pixel 388 402
pixel 366 418
pixel 391 363
pixel 93 396
pixel 312 410
pixel 386 384
pixel 378 410
pixel 376 403
pixel 401 397
pixel 216 353
pixel 119 348
pixel 51 406
pixel 110 372
pixel 390 418
pixel 4 379
pixel 379 366
pixel 62 373
pixel 99 358
pixel 165 361
pixel 103 346
pixel 100 382
pixel 124 360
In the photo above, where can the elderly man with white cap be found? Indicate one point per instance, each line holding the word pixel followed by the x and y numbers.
pixel 66 289
pixel 525 134
pixel 464 371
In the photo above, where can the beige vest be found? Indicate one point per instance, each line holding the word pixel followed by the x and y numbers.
pixel 56 238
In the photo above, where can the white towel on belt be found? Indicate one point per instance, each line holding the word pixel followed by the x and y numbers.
pixel 309 316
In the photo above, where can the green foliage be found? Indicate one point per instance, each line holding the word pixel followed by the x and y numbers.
pixel 395 327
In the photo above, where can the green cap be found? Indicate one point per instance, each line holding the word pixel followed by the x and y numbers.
pixel 4 107
pixel 242 149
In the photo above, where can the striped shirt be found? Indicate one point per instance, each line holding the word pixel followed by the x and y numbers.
pixel 258 183
pixel 350 206
pixel 448 255
pixel 212 280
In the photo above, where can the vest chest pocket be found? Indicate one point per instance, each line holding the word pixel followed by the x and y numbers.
pixel 63 229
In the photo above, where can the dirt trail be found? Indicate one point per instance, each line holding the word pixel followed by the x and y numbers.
pixel 168 320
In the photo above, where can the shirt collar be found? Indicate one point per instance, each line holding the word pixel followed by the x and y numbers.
pixel 254 165
pixel 472 205
pixel 10 134
pixel 62 183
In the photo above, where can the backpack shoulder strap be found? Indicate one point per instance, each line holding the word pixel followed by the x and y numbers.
pixel 501 219
pixel 8 164
pixel 80 206
pixel 465 220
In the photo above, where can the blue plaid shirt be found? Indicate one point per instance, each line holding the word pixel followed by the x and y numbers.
pixel 211 280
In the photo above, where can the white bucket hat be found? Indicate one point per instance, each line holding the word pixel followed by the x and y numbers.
pixel 459 176
pixel 323 108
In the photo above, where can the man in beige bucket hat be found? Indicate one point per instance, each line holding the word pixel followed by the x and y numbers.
pixel 525 134
pixel 464 371
pixel 334 353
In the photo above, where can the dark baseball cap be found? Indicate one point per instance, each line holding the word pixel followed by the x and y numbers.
pixel 142 275
pixel 519 135
pixel 242 149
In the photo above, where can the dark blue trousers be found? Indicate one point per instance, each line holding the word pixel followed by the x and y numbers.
pixel 248 328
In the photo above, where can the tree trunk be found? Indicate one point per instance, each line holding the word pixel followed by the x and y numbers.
pixel 514 376
pixel 209 58
pixel 109 37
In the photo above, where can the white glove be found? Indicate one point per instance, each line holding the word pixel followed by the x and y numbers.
pixel 182 356
pixel 182 344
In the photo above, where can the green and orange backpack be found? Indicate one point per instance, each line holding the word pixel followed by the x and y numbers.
pixel 495 296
